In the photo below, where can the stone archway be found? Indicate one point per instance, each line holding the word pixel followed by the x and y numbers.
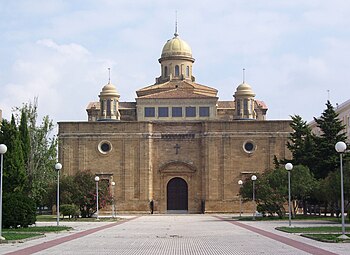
pixel 177 195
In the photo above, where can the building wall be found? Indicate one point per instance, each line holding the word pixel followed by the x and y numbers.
pixel 145 156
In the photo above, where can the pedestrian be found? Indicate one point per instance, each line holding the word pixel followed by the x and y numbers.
pixel 151 206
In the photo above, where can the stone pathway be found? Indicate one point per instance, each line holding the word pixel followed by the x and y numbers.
pixel 175 234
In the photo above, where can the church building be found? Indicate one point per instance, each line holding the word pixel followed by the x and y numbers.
pixel 177 145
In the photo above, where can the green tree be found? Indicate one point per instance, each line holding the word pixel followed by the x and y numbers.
pixel 14 175
pixel 80 189
pixel 301 143
pixel 24 136
pixel 42 151
pixel 18 210
pixel 272 189
pixel 270 192
pixel 328 191
pixel 303 184
pixel 18 207
pixel 332 131
pixel 85 195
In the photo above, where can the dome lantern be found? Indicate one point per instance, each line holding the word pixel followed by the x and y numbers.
pixel 176 60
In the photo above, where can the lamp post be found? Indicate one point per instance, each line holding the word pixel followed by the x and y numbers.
pixel 97 179
pixel 341 147
pixel 58 167
pixel 113 203
pixel 3 149
pixel 253 178
pixel 240 183
pixel 289 167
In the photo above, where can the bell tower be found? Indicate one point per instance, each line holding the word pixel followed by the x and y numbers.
pixel 244 102
pixel 109 102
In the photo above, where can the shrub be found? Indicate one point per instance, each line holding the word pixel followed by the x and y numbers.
pixel 70 210
pixel 18 210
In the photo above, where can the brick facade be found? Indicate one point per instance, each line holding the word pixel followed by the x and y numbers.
pixel 144 156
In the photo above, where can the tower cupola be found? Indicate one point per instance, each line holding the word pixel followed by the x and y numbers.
pixel 244 102
pixel 176 61
pixel 109 103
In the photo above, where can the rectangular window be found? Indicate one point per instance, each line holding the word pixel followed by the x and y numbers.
pixel 102 106
pixel 190 111
pixel 163 112
pixel 203 111
pixel 150 112
pixel 176 111
pixel 238 107
pixel 109 107
pixel 245 107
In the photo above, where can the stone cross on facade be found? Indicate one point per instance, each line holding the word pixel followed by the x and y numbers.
pixel 177 147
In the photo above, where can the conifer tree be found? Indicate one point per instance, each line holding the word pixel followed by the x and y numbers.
pixel 14 174
pixel 332 131
pixel 301 143
pixel 24 136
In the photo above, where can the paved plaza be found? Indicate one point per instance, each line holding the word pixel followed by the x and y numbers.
pixel 175 234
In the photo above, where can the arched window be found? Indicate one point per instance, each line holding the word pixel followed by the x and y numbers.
pixel 187 71
pixel 177 70
pixel 165 71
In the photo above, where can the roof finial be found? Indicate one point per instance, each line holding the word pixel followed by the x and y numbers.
pixel 109 75
pixel 176 34
pixel 243 75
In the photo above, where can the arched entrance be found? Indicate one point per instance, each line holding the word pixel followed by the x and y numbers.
pixel 177 195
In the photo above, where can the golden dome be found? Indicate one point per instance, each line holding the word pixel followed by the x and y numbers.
pixel 176 47
pixel 244 89
pixel 109 90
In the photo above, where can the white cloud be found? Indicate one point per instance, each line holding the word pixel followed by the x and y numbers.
pixel 61 75
pixel 293 51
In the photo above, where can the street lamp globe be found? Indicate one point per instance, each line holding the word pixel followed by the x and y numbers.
pixel 113 183
pixel 240 182
pixel 3 148
pixel 288 166
pixel 253 177
pixel 340 147
pixel 97 178
pixel 58 166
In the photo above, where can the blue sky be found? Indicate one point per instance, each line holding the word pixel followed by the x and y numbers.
pixel 293 51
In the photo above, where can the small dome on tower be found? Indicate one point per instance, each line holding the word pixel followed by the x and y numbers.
pixel 244 89
pixel 176 47
pixel 109 90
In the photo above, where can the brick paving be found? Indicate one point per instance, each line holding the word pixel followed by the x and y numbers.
pixel 175 234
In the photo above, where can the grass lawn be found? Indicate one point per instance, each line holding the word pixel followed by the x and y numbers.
pixel 318 229
pixel 298 217
pixel 332 238
pixel 319 233
pixel 24 233
pixel 44 218
pixel 41 229
pixel 19 236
